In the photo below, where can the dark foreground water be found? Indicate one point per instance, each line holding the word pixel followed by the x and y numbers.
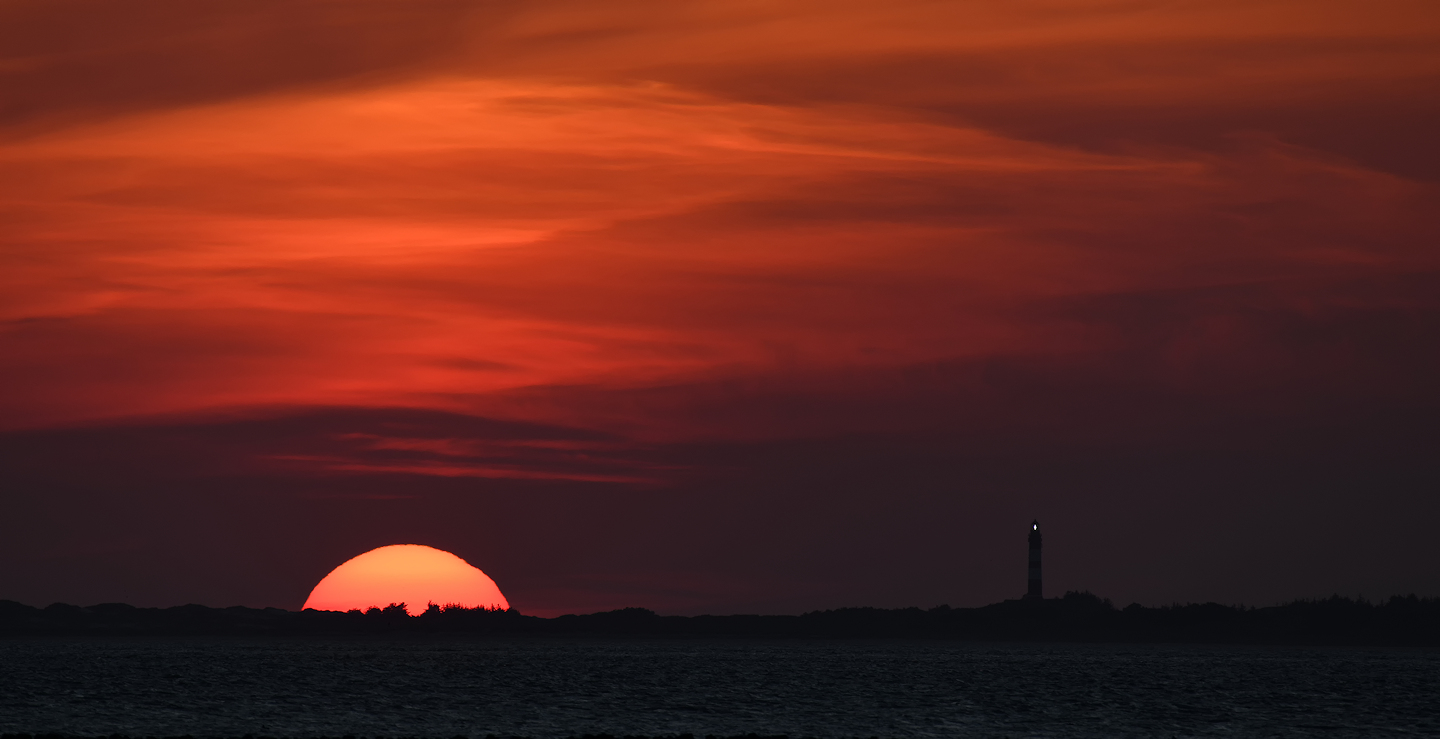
pixel 551 688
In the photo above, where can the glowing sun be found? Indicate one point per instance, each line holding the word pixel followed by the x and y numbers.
pixel 405 573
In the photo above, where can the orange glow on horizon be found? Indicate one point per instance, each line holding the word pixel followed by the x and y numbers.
pixel 564 284
pixel 412 574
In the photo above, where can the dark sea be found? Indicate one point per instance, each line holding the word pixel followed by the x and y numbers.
pixel 433 687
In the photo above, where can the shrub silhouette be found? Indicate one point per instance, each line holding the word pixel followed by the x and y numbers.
pixel 1077 616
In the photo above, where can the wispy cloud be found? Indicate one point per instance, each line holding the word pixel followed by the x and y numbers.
pixel 648 245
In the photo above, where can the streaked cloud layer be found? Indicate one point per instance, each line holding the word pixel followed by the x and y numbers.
pixel 637 233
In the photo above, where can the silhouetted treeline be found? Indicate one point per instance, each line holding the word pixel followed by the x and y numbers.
pixel 1406 620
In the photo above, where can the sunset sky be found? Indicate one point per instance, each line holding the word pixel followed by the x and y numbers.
pixel 720 306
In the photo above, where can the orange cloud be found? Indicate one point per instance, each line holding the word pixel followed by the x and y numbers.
pixel 655 195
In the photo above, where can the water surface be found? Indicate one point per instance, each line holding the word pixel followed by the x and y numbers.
pixel 436 687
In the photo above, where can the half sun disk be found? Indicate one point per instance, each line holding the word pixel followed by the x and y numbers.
pixel 412 574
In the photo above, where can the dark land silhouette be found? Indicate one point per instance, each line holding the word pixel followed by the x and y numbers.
pixel 1083 617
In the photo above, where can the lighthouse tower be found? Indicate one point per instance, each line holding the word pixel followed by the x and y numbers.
pixel 1034 592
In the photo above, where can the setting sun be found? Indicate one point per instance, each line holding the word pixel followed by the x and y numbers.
pixel 412 574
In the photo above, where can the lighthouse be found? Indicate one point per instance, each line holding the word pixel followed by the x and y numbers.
pixel 1034 591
